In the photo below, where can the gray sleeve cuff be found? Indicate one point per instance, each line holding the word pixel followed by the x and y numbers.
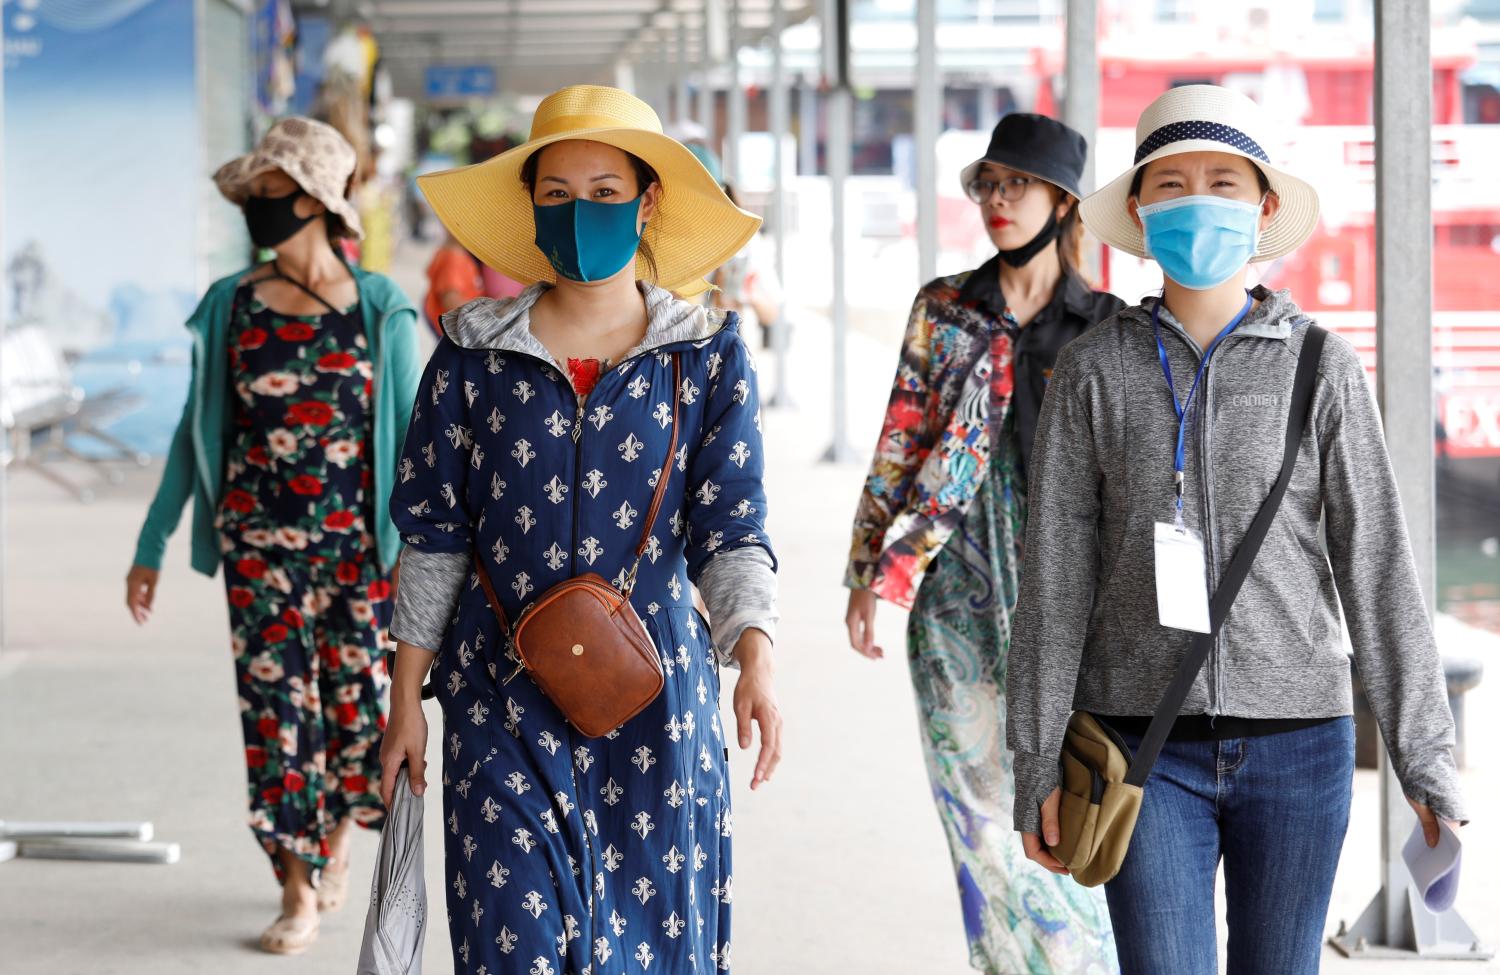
pixel 739 589
pixel 1036 777
pixel 426 594
pixel 1433 781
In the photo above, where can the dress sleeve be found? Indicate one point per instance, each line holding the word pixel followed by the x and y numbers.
pixel 729 554
pixel 905 439
pixel 429 503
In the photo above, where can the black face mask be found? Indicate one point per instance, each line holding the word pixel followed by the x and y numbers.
pixel 1021 256
pixel 272 220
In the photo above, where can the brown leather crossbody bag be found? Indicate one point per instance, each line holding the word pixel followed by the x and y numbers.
pixel 581 640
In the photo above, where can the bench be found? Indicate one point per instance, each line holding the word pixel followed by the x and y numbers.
pixel 42 411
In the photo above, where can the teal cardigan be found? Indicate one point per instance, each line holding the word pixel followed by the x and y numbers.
pixel 195 461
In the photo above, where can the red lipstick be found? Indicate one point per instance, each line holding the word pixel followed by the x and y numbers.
pixel 998 222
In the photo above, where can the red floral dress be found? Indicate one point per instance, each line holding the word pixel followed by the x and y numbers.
pixel 308 606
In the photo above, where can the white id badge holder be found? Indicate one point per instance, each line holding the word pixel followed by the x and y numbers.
pixel 1181 581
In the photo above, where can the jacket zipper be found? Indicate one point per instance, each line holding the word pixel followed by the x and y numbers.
pixel 1215 682
pixel 582 401
pixel 577 487
pixel 588 843
pixel 1205 418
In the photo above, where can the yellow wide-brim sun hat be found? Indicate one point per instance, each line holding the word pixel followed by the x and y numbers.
pixel 694 230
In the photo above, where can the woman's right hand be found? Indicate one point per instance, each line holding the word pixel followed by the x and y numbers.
pixel 860 619
pixel 405 743
pixel 140 591
pixel 1037 845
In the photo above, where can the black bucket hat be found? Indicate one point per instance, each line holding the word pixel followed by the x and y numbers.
pixel 1037 146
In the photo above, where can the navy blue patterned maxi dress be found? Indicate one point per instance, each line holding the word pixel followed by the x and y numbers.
pixel 567 854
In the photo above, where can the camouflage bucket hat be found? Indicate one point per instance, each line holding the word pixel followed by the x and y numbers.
pixel 312 153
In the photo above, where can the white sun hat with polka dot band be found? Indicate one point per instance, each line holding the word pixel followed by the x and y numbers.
pixel 1203 118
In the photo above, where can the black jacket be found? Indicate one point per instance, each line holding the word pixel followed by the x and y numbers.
pixel 1073 309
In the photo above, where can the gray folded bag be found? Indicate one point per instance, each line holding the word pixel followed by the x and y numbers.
pixel 396 923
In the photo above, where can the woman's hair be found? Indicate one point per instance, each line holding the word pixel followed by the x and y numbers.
pixel 644 177
pixel 337 228
pixel 1069 235
pixel 1140 176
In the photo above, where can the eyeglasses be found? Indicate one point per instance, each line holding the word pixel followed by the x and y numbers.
pixel 1011 188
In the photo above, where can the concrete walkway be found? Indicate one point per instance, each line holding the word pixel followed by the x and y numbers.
pixel 840 863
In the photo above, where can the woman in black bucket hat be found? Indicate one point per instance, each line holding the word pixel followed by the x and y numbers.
pixel 939 528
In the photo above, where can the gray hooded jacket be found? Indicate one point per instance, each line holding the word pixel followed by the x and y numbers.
pixel 1086 632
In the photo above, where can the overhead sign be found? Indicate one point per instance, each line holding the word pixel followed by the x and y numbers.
pixel 460 81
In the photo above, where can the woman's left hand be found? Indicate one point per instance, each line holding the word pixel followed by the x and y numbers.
pixel 1429 820
pixel 755 701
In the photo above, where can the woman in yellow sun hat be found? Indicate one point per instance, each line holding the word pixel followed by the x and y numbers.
pixel 543 428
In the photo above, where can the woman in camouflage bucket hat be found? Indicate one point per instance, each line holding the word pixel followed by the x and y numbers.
pixel 315 156
pixel 304 374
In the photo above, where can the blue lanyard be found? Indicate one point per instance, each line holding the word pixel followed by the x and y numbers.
pixel 1182 409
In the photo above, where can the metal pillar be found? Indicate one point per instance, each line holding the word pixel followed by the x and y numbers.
pixel 735 95
pixel 1081 99
pixel 682 110
pixel 989 113
pixel 1396 923
pixel 840 110
pixel 807 128
pixel 706 115
pixel 780 337
pixel 926 116
pixel 4 467
pixel 625 76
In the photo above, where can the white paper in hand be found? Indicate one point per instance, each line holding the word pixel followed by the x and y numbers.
pixel 1434 869
pixel 1181 585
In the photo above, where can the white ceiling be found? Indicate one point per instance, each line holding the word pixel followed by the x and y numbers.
pixel 539 45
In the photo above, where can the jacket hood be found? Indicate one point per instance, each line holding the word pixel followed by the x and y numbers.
pixel 504 324
pixel 1274 318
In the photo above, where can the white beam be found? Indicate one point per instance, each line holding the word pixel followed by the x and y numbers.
pixel 780 111
pixel 735 97
pixel 927 115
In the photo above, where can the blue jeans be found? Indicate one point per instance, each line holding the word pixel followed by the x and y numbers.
pixel 1275 808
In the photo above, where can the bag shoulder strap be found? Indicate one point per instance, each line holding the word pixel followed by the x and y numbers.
pixel 1229 587
pixel 666 467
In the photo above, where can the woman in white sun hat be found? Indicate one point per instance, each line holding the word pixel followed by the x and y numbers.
pixel 1174 412
pixel 592 420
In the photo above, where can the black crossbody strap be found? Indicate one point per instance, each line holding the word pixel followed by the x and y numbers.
pixel 1239 567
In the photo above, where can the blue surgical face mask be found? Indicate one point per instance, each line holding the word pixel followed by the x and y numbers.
pixel 1201 241
pixel 588 241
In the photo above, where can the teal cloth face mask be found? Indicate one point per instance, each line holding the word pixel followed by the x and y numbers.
pixel 1201 241
pixel 588 241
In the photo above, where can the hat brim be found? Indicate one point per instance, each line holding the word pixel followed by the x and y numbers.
pixel 972 170
pixel 1106 213
pixel 694 230
pixel 234 178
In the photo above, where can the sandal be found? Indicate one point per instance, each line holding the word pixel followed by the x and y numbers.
pixel 289 936
pixel 333 889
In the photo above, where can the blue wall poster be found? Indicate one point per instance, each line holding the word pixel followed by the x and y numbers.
pixel 103 175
